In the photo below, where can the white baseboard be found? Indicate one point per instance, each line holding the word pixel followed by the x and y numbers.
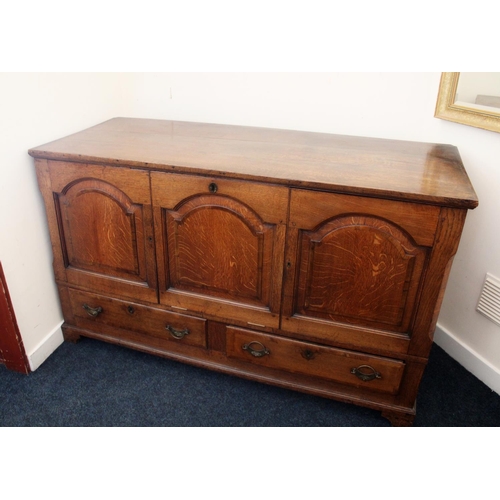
pixel 468 358
pixel 46 347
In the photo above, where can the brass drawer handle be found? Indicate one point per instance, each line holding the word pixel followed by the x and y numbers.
pixel 366 373
pixel 92 311
pixel 177 334
pixel 256 353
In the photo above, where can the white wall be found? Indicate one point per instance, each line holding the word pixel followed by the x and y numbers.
pixel 38 108
pixel 389 105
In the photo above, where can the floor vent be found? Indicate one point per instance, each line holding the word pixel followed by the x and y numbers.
pixel 489 301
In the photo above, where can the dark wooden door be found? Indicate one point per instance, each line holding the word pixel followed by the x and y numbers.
pixel 220 246
pixel 105 229
pixel 12 352
pixel 355 268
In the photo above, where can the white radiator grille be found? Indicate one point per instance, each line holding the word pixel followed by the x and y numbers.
pixel 489 301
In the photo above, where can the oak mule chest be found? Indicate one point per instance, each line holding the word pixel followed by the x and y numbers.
pixel 311 261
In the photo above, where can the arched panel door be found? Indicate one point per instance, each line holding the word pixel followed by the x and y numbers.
pixel 355 268
pixel 220 246
pixel 361 270
pixel 105 230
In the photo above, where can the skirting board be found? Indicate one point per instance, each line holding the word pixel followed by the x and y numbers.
pixel 468 358
pixel 46 347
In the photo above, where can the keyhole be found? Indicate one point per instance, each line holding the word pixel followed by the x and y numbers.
pixel 308 354
pixel 212 187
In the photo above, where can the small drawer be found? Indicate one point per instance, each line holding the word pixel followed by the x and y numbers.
pixel 338 365
pixel 90 311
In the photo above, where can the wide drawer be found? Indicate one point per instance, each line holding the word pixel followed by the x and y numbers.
pixel 91 311
pixel 347 367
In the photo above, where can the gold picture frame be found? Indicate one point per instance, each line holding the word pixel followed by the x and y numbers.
pixel 448 108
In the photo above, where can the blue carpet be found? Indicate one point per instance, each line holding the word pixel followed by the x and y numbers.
pixel 95 384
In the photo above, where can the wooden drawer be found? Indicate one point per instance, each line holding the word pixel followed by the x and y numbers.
pixel 91 311
pixel 347 367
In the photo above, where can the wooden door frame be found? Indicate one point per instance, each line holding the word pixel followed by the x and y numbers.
pixel 12 353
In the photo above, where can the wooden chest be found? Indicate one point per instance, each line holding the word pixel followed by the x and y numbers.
pixel 311 261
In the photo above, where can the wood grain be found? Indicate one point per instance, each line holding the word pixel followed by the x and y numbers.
pixel 103 230
pixel 220 250
pixel 419 221
pixel 313 360
pixel 104 238
pixel 53 219
pixel 430 173
pixel 136 317
pixel 360 270
pixel 269 201
pixel 331 250
pixel 440 262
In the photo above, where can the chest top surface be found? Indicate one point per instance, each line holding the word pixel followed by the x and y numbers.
pixel 423 172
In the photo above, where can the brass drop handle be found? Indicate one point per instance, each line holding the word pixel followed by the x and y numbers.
pixel 366 373
pixel 92 311
pixel 177 334
pixel 254 352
